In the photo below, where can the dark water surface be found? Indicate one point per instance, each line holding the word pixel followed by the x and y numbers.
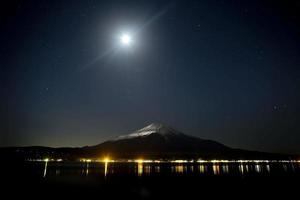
pixel 149 180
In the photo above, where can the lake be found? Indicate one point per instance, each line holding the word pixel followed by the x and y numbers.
pixel 149 180
pixel 57 170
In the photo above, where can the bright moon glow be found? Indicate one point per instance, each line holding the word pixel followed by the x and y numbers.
pixel 125 39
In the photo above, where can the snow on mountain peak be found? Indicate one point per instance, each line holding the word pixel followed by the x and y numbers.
pixel 159 128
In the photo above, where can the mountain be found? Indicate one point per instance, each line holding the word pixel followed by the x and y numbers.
pixel 162 141
pixel 156 140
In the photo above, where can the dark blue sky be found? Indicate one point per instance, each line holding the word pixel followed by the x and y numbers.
pixel 222 70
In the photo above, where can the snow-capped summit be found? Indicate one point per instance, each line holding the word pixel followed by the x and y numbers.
pixel 159 140
pixel 158 128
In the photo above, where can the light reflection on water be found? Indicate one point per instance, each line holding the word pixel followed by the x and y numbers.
pixel 257 168
pixel 225 169
pixel 179 168
pixel 268 168
pixel 87 169
pixel 241 168
pixel 285 167
pixel 141 169
pixel 105 168
pixel 45 168
pixel 147 169
pixel 157 169
pixel 202 169
pixel 216 169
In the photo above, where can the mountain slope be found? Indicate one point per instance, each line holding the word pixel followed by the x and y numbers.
pixel 162 141
pixel 153 141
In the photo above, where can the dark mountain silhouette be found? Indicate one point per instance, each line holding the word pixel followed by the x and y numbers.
pixel 158 140
pixel 153 141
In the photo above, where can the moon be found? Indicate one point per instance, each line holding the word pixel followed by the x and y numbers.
pixel 126 39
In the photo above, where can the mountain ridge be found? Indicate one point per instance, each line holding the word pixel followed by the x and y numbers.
pixel 159 128
pixel 155 140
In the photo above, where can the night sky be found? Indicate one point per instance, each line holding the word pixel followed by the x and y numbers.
pixel 218 69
